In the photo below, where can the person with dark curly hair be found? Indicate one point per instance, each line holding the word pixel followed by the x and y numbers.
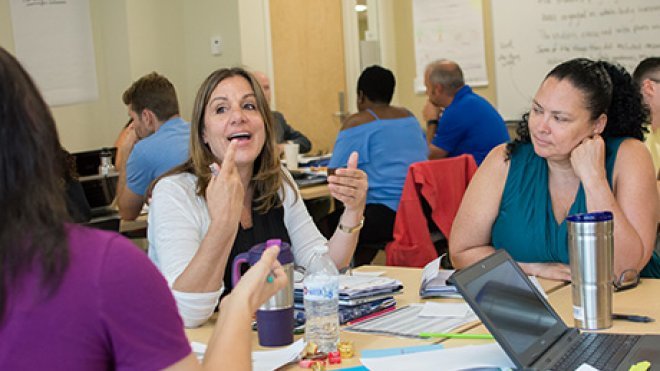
pixel 579 150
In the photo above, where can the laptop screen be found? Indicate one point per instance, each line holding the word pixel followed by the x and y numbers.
pixel 510 306
pixel 99 190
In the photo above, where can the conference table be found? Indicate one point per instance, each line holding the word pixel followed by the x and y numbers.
pixel 410 278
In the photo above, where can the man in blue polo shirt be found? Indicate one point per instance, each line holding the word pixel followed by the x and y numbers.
pixel 468 124
pixel 156 140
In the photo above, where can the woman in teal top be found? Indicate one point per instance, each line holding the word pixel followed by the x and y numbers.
pixel 579 150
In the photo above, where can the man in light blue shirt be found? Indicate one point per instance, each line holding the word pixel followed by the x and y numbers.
pixel 155 142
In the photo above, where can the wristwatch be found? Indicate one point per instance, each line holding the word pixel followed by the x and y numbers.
pixel 356 228
pixel 432 122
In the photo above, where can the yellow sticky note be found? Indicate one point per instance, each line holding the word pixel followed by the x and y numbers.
pixel 640 366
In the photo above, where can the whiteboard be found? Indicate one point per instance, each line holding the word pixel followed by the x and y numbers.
pixel 532 36
pixel 450 29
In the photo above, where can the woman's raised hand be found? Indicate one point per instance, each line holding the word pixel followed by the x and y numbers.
pixel 349 185
pixel 225 192
pixel 588 159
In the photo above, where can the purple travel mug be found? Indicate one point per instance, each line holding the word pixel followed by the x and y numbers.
pixel 275 316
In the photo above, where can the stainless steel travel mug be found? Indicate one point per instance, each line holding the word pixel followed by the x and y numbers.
pixel 591 253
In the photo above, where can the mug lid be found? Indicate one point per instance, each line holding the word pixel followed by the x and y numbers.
pixel 285 256
pixel 599 216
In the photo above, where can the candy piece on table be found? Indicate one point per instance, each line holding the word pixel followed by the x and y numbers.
pixel 310 349
pixel 346 349
pixel 334 358
pixel 318 366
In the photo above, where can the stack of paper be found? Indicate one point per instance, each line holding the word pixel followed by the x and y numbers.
pixel 359 296
pixel 359 289
pixel 434 281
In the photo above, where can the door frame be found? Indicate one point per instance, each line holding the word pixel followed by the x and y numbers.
pixel 256 45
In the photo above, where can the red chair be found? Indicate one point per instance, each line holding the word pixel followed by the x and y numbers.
pixel 441 183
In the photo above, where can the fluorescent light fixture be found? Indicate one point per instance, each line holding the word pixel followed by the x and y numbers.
pixel 360 8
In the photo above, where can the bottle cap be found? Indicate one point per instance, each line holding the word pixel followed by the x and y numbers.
pixel 599 216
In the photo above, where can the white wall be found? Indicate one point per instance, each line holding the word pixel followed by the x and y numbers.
pixel 135 37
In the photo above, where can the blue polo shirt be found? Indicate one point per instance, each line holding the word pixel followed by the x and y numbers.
pixel 470 125
pixel 156 154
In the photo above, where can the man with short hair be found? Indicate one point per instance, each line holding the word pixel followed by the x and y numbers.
pixel 647 76
pixel 155 142
pixel 467 122
pixel 284 132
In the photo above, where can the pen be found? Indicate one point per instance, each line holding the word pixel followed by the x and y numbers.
pixel 454 335
pixel 632 317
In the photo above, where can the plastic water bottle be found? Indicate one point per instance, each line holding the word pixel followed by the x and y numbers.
pixel 106 167
pixel 321 298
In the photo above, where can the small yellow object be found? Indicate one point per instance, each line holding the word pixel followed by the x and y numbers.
pixel 318 366
pixel 346 349
pixel 310 349
pixel 640 366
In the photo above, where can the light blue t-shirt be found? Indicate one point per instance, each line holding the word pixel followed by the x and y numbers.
pixel 470 125
pixel 386 148
pixel 156 154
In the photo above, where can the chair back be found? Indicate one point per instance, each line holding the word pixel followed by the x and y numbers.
pixel 442 184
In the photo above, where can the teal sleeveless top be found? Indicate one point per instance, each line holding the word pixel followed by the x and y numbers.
pixel 526 226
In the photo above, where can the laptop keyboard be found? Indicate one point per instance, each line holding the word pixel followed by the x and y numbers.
pixel 602 351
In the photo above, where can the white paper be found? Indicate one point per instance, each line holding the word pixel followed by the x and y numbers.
pixel 357 283
pixel 264 359
pixel 452 29
pixel 432 309
pixel 537 284
pixel 370 274
pixel 198 349
pixel 267 360
pixel 489 355
pixel 405 322
pixel 586 367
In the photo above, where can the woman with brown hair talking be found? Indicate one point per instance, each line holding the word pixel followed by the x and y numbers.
pixel 198 221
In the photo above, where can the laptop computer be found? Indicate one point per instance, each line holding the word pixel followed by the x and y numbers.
pixel 100 193
pixel 530 331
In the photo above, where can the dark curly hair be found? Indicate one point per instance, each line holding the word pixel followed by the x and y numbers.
pixel 608 88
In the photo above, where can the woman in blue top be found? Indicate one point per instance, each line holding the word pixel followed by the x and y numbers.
pixel 579 150
pixel 388 139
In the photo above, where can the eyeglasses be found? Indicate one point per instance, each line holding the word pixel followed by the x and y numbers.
pixel 627 280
